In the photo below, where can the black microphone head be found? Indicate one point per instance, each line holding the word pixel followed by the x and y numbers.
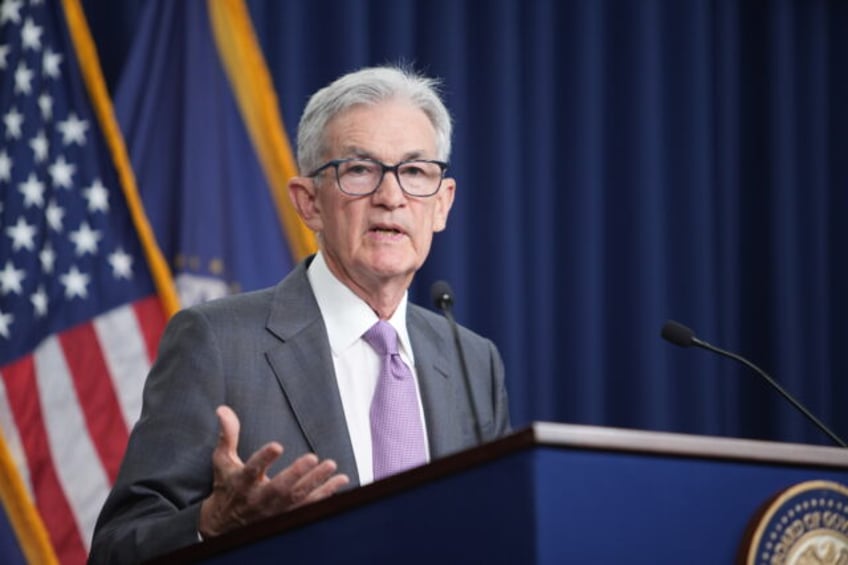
pixel 677 333
pixel 442 295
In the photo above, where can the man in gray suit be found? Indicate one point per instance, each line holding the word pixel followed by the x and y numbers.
pixel 262 402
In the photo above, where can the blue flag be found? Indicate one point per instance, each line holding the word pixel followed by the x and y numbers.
pixel 206 142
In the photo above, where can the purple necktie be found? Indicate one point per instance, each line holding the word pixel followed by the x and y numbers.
pixel 397 435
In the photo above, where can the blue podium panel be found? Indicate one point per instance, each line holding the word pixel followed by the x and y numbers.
pixel 602 507
pixel 549 494
pixel 484 514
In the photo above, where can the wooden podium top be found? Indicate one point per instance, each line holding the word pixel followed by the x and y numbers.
pixel 538 434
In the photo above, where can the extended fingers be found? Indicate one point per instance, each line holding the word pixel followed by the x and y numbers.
pixel 243 491
pixel 307 480
pixel 323 489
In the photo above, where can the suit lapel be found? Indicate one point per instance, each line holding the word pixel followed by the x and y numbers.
pixel 438 389
pixel 302 362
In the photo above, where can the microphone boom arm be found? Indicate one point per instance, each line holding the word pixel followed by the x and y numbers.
pixel 708 346
pixel 443 300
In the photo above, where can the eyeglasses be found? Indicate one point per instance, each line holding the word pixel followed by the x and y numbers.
pixel 361 177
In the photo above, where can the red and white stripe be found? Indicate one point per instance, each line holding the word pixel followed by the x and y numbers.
pixel 68 408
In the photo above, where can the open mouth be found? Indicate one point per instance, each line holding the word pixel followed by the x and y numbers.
pixel 386 230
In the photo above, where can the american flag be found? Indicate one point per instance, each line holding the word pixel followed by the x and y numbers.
pixel 79 314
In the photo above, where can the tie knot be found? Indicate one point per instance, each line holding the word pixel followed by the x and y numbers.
pixel 383 338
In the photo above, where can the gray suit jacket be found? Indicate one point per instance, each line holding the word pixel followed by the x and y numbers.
pixel 266 354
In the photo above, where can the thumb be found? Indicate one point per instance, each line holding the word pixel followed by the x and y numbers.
pixel 229 427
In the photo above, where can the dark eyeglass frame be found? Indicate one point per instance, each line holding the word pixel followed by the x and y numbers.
pixel 384 168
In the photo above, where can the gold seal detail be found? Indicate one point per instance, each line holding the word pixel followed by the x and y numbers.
pixel 807 524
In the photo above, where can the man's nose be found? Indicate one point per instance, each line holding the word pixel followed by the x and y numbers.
pixel 389 191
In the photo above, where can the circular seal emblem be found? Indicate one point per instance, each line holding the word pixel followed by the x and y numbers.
pixel 806 524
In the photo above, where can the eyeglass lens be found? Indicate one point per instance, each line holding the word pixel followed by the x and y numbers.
pixel 415 177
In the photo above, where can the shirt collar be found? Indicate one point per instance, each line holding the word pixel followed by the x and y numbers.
pixel 347 316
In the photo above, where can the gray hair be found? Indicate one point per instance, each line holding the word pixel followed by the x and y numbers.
pixel 369 86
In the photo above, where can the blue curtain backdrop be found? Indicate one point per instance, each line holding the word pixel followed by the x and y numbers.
pixel 619 163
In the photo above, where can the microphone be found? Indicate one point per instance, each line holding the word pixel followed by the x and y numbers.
pixel 442 296
pixel 678 334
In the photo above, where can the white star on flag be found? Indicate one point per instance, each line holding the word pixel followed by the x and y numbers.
pixel 31 35
pixel 75 283
pixel 73 130
pixel 61 172
pixel 5 166
pixel 22 235
pixel 45 104
pixel 50 63
pixel 121 264
pixel 40 146
pixel 85 239
pixel 97 196
pixel 39 302
pixel 54 215
pixel 11 279
pixel 23 79
pixel 47 258
pixel 5 321
pixel 10 11
pixel 33 191
pixel 13 121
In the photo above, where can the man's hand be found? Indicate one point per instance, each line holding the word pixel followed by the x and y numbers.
pixel 242 492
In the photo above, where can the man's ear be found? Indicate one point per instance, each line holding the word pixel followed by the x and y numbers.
pixel 302 192
pixel 444 201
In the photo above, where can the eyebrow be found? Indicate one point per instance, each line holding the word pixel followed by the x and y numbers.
pixel 357 152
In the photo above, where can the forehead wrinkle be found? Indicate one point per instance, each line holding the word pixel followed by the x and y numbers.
pixel 387 132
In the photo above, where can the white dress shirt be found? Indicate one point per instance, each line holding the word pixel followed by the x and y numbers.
pixel 357 365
